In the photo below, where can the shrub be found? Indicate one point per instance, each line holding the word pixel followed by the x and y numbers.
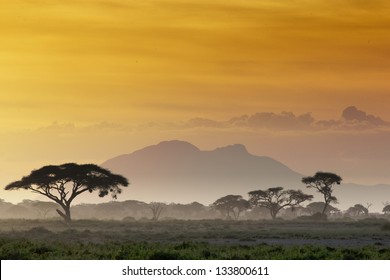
pixel 128 219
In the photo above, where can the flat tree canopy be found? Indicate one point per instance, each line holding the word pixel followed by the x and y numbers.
pixel 275 199
pixel 63 183
pixel 323 182
pixel 231 204
pixel 386 209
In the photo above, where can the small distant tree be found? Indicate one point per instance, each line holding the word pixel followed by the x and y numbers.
pixel 63 183
pixel 275 199
pixel 292 212
pixel 156 208
pixel 361 210
pixel 318 206
pixel 4 206
pixel 196 210
pixel 42 208
pixel 386 209
pixel 323 182
pixel 231 205
pixel 357 210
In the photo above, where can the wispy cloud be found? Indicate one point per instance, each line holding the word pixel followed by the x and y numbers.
pixel 351 118
pixel 57 127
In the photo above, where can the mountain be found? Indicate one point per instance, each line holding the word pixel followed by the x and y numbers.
pixel 177 171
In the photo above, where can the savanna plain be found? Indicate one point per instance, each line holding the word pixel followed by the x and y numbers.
pixel 367 238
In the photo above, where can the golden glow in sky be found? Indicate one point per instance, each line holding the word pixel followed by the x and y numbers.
pixel 117 65
pixel 88 61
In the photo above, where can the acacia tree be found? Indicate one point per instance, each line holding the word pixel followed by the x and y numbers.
pixel 323 182
pixel 63 183
pixel 231 204
pixel 318 206
pixel 357 210
pixel 275 199
pixel 156 208
pixel 42 208
pixel 386 209
pixel 361 210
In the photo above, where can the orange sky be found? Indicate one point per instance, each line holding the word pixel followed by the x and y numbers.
pixel 82 63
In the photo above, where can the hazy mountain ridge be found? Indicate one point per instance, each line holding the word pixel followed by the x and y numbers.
pixel 179 171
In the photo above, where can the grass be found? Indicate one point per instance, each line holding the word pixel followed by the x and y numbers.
pixel 202 239
pixel 27 249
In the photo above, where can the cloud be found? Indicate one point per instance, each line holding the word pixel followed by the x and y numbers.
pixel 202 122
pixel 352 114
pixel 61 128
pixel 282 121
pixel 238 121
pixel 351 119
pixel 56 127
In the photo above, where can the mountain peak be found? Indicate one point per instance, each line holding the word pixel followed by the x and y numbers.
pixel 235 148
pixel 179 171
pixel 177 145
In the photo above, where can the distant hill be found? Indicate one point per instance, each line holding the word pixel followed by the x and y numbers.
pixel 177 171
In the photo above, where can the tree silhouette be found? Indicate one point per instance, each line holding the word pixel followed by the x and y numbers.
pixel 63 183
pixel 357 210
pixel 42 208
pixel 386 209
pixel 361 210
pixel 156 208
pixel 323 182
pixel 231 204
pixel 275 199
pixel 318 206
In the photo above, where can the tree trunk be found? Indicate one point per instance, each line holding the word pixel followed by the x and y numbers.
pixel 327 202
pixel 66 216
pixel 326 205
pixel 236 215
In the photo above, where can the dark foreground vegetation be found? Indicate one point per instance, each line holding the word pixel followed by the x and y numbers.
pixel 202 239
pixel 25 250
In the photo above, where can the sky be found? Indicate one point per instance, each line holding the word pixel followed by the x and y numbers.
pixel 85 80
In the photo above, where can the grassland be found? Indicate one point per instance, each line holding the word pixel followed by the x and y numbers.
pixel 202 239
